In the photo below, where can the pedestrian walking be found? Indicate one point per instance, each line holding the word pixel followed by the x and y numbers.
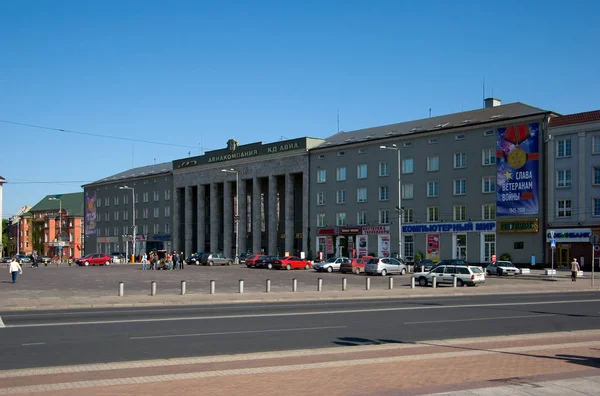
pixel 14 268
pixel 574 269
pixel 144 262
pixel 34 258
pixel 176 260
pixel 182 260
pixel 169 261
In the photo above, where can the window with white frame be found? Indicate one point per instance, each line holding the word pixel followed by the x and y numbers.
pixel 409 247
pixel 340 219
pixel 340 196
pixel 125 230
pixel 460 186
pixel 321 198
pixel 433 189
pixel 563 148
pixel 384 193
pixel 99 203
pixel 433 213
pixel 145 229
pixel 46 238
pixel 167 195
pixel 384 216
pixel 407 165
pixel 125 215
pixel 115 230
pixel 408 215
pixel 136 198
pixel 488 211
pixel 361 171
pixel 321 176
pixel 596 145
pixel 361 217
pixel 596 207
pixel 106 201
pixel 106 231
pixel 156 228
pixel 321 220
pixel 125 199
pixel 384 169
pixel 167 211
pixel 340 174
pixel 100 232
pixel 563 178
pixel 408 191
pixel 116 215
pixel 145 197
pixel 460 213
pixel 361 194
pixel 145 213
pixel 460 160
pixel 106 216
pixel 488 157
pixel 564 208
pixel 167 228
pixel 116 200
pixel 433 163
pixel 596 176
pixel 156 212
pixel 488 184
pixel 156 196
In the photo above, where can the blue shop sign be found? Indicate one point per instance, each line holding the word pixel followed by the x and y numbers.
pixel 161 237
pixel 569 235
pixel 465 226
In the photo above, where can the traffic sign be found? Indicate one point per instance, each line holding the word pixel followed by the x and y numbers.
pixel 553 244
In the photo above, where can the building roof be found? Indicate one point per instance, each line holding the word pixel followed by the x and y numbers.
pixel 143 171
pixel 72 203
pixel 2 180
pixel 577 118
pixel 438 123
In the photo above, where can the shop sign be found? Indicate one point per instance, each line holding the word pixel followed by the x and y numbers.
pixel 161 237
pixel 569 235
pixel 355 230
pixel 375 230
pixel 468 226
pixel 327 231
pixel 531 225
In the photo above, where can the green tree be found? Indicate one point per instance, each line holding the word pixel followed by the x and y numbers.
pixel 4 235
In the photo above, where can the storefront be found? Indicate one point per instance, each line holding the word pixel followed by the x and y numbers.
pixel 474 241
pixel 354 241
pixel 520 239
pixel 571 243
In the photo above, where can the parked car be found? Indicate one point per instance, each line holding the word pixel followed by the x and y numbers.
pixel 23 259
pixel 265 262
pixel 385 265
pixel 332 264
pixel 250 260
pixel 194 259
pixel 502 268
pixel 211 259
pixel 244 256
pixel 355 265
pixel 291 262
pixel 465 275
pixel 94 259
pixel 424 265
pixel 44 260
pixel 6 259
pixel 117 257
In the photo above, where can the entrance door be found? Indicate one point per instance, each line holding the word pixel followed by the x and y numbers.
pixel 563 256
pixel 461 246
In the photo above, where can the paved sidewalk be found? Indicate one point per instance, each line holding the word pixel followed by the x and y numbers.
pixel 480 366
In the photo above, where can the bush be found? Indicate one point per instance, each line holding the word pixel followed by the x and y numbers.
pixel 419 256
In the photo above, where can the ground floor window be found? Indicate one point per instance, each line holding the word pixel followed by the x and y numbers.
pixel 322 245
pixel 409 247
pixel 460 243
pixel 489 247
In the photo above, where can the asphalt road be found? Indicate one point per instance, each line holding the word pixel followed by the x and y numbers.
pixel 49 338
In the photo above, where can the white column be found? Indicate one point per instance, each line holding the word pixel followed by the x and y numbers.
pixel 256 206
pixel 272 228
pixel 290 229
pixel 189 233
pixel 227 219
pixel 215 217
pixel 243 217
pixel 201 230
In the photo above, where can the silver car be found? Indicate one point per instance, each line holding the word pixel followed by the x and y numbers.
pixel 465 275
pixel 332 264
pixel 384 266
pixel 216 259
pixel 502 268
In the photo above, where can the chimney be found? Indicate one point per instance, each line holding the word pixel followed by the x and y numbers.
pixel 492 102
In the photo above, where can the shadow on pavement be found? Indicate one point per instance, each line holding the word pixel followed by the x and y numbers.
pixel 357 341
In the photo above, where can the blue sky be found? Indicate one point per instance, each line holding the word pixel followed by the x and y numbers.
pixel 198 73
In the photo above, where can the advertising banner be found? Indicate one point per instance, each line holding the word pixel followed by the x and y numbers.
pixel 433 247
pixel 384 245
pixel 517 155
pixel 90 213
pixel 362 242
pixel 329 245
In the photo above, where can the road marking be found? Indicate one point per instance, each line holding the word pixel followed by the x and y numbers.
pixel 34 343
pixel 1 323
pixel 476 319
pixel 238 332
pixel 308 313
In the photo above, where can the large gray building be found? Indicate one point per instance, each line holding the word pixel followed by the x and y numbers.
pixel 271 214
pixel 573 162
pixel 471 183
pixel 109 211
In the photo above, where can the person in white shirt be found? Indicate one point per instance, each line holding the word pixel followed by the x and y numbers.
pixel 14 268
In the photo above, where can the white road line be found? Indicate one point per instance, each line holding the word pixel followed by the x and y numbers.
pixel 34 343
pixel 238 332
pixel 267 315
pixel 476 319
pixel 1 323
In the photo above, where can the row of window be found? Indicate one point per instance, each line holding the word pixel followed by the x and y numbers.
pixel 488 212
pixel 145 214
pixel 64 223
pixel 564 208
pixel 145 198
pixel 71 237
pixel 564 147
pixel 564 177
pixel 127 230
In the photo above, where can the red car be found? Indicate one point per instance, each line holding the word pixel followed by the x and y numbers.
pixel 94 259
pixel 251 260
pixel 356 266
pixel 291 262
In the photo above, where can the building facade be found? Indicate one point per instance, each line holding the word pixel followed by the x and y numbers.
pixel 268 209
pixel 17 227
pixel 110 214
pixel 573 195
pixel 466 185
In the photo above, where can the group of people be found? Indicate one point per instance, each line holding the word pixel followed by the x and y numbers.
pixel 170 261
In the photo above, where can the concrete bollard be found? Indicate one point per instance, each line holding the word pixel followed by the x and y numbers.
pixel 453 280
pixel 241 286
pixel 344 284
pixel 294 285
pixel 368 283
pixel 121 289
pixel 153 288
pixel 412 282
pixel 183 287
pixel 391 283
pixel 212 287
pixel 434 282
pixel 320 284
pixel 268 286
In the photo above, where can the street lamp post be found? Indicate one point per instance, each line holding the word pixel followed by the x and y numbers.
pixel 60 246
pixel 236 216
pixel 133 242
pixel 399 208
